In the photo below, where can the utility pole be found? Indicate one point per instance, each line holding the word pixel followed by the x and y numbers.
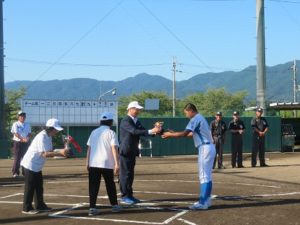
pixel 261 58
pixel 295 89
pixel 174 87
pixel 3 140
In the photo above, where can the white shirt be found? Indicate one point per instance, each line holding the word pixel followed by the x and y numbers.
pixel 23 129
pixel 33 159
pixel 201 130
pixel 100 142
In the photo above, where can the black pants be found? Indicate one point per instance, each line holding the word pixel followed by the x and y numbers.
pixel 19 149
pixel 258 145
pixel 127 165
pixel 33 187
pixel 94 185
pixel 219 143
pixel 237 150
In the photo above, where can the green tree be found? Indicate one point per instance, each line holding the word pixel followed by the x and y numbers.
pixel 214 100
pixel 165 104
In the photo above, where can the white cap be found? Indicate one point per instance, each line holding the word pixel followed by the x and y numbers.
pixel 21 113
pixel 54 123
pixel 106 116
pixel 134 104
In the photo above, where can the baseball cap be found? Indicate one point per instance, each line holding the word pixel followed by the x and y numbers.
pixel 236 113
pixel 106 116
pixel 54 123
pixel 21 113
pixel 134 104
pixel 259 109
pixel 219 114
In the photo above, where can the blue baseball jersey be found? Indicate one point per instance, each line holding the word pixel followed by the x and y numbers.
pixel 201 130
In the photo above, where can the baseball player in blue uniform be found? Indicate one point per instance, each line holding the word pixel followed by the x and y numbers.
pixel 199 129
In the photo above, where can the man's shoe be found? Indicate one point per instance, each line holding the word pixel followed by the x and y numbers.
pixel 116 208
pixel 30 212
pixel 127 201
pixel 241 166
pixel 15 175
pixel 264 165
pixel 44 209
pixel 198 206
pixel 93 212
pixel 208 202
pixel 135 200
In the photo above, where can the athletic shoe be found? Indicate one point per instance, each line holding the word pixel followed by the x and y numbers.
pixel 208 202
pixel 135 200
pixel 264 165
pixel 198 206
pixel 30 212
pixel 44 209
pixel 127 201
pixel 93 212
pixel 15 175
pixel 116 208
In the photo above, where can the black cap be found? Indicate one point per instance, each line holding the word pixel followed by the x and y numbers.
pixel 219 114
pixel 259 109
pixel 236 113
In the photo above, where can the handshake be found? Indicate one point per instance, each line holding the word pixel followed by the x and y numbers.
pixel 158 128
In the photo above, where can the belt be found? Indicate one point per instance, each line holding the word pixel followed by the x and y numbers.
pixel 206 143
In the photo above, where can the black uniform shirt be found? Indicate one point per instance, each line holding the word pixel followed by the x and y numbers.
pixel 236 125
pixel 218 128
pixel 259 123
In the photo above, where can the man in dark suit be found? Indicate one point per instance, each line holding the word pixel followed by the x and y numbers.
pixel 130 131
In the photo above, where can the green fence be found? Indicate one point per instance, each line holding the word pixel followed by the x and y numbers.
pixel 178 146
pixel 185 146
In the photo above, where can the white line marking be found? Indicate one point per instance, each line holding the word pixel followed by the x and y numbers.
pixel 164 193
pixel 11 185
pixel 48 203
pixel 245 184
pixel 186 221
pixel 13 195
pixel 259 195
pixel 174 217
pixel 67 181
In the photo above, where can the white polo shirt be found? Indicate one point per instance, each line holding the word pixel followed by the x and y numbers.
pixel 23 129
pixel 201 130
pixel 33 159
pixel 100 142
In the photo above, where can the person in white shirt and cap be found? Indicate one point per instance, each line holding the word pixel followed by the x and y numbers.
pixel 103 160
pixel 21 131
pixel 130 131
pixel 33 163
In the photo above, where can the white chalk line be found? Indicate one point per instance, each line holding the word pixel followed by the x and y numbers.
pixel 13 195
pixel 175 181
pixel 258 196
pixel 186 221
pixel 60 215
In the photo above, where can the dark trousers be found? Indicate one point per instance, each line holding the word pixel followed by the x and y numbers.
pixel 258 145
pixel 237 150
pixel 33 187
pixel 127 165
pixel 219 143
pixel 19 149
pixel 94 185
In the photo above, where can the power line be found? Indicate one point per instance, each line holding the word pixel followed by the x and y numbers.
pixel 174 35
pixel 77 42
pixel 84 64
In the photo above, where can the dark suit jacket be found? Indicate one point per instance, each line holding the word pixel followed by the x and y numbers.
pixel 129 136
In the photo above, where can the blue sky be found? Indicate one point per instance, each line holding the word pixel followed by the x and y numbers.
pixel 115 39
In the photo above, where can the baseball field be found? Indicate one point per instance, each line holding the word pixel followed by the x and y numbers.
pixel 166 186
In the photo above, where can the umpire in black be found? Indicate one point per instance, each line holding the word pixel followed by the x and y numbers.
pixel 237 128
pixel 218 129
pixel 260 126
pixel 130 131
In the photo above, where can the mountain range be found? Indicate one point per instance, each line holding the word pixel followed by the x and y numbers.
pixel 279 85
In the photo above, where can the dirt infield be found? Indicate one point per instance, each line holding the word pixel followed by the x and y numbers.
pixel 166 186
